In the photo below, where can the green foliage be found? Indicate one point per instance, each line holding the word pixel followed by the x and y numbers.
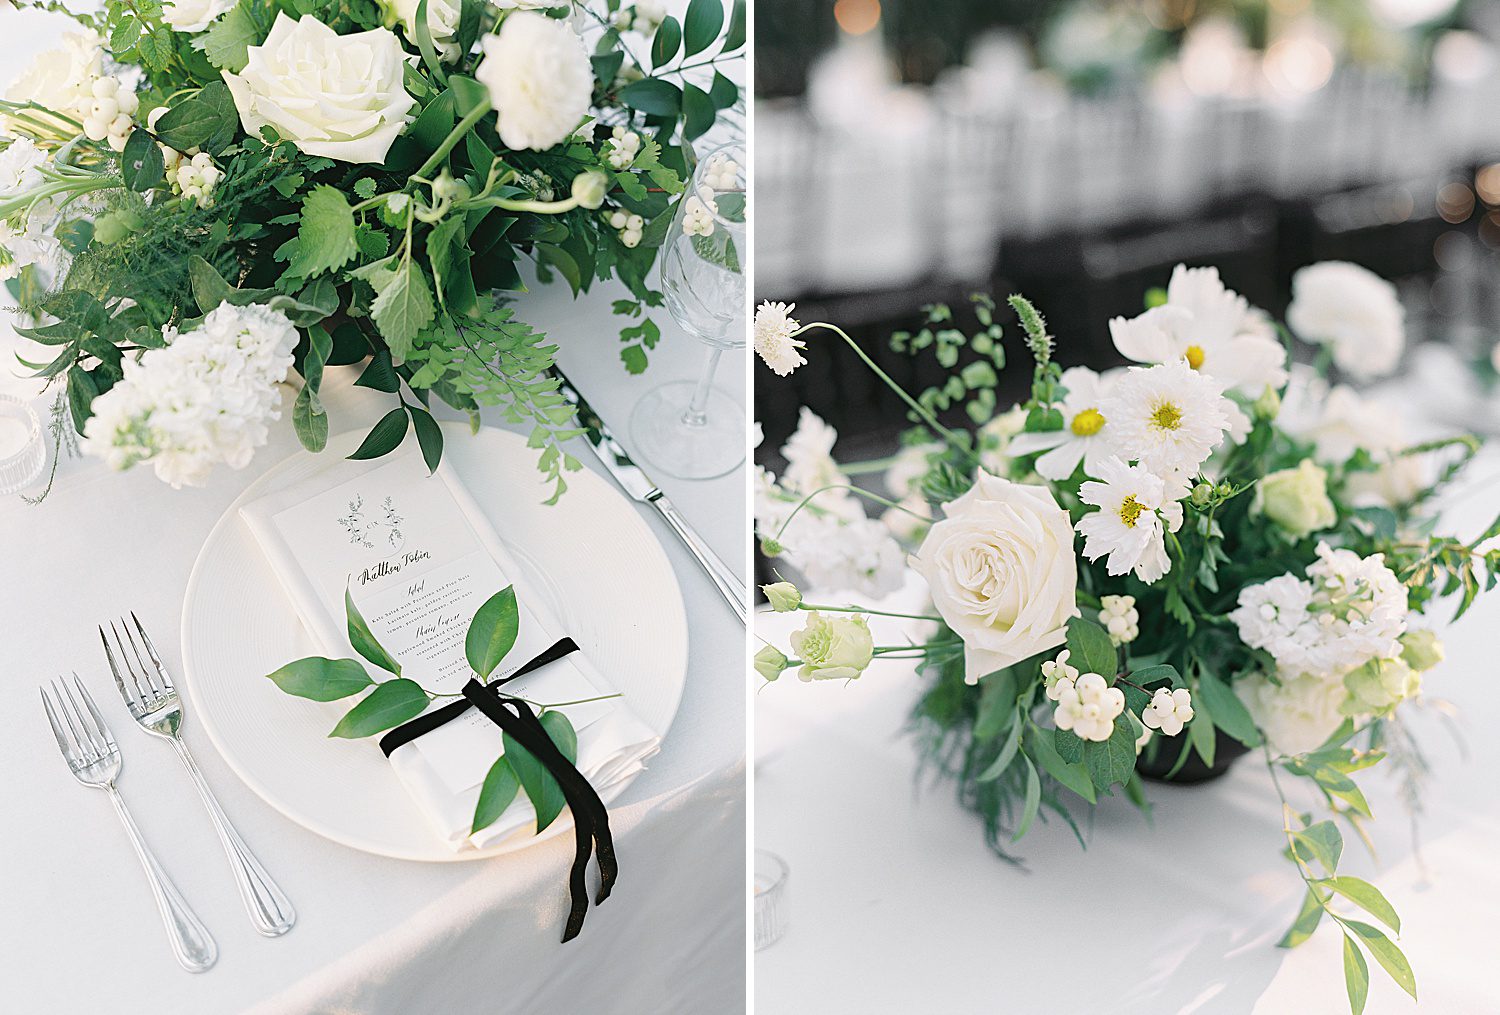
pixel 389 705
pixel 319 679
pixel 541 788
pixel 493 633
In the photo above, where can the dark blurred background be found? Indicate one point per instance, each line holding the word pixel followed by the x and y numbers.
pixel 909 153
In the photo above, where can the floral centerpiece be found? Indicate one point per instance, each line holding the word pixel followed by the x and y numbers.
pixel 1149 571
pixel 198 197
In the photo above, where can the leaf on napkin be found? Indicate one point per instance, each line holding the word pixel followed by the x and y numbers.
pixel 543 791
pixel 499 789
pixel 493 632
pixel 320 679
pixel 363 640
pixel 390 704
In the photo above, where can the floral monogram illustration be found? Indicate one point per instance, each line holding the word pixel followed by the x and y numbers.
pixel 373 532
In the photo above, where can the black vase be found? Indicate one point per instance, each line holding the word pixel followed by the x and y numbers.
pixel 1154 765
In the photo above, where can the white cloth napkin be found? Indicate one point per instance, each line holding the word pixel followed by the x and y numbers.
pixel 445 768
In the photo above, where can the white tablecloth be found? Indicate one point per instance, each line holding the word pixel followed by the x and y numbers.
pixel 896 905
pixel 374 935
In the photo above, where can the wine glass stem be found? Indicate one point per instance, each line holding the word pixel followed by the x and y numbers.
pixel 697 410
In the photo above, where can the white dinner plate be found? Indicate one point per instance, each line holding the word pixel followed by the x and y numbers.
pixel 601 570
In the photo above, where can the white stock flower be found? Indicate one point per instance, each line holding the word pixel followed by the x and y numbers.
pixel 28 238
pixel 774 327
pixel 1088 706
pixel 1167 417
pixel 1084 437
pixel 1296 715
pixel 338 96
pixel 1120 618
pixel 809 455
pixel 204 399
pixel 1169 710
pixel 443 17
pixel 845 554
pixel 62 81
pixel 193 15
pixel 1354 312
pixel 1136 508
pixel 1002 572
pixel 909 468
pixel 539 78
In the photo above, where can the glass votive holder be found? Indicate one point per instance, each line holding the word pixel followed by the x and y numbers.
pixel 771 874
pixel 23 446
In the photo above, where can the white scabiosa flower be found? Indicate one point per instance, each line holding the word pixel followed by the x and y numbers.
pixel 338 96
pixel 1167 417
pixel 1088 707
pixel 1354 312
pixel 774 328
pixel 539 78
pixel 1136 507
pixel 1082 439
pixel 192 16
pixel 1120 618
pixel 1168 711
pixel 203 400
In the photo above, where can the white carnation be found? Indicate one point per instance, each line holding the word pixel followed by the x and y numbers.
pixel 539 78
pixel 194 15
pixel 1354 312
pixel 205 399
pixel 338 96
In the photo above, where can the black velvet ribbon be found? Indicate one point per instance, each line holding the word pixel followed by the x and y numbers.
pixel 515 717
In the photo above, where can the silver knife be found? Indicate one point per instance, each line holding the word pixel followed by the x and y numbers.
pixel 639 486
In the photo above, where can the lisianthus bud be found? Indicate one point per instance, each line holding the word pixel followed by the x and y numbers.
pixel 833 648
pixel 770 662
pixel 1268 405
pixel 1297 499
pixel 1379 685
pixel 1201 493
pixel 784 596
pixel 1421 649
pixel 589 188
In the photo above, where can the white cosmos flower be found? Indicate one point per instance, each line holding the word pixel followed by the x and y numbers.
pixel 774 327
pixel 443 17
pixel 193 15
pixel 1084 437
pixel 1136 508
pixel 539 78
pixel 1167 417
pixel 338 96
pixel 1353 311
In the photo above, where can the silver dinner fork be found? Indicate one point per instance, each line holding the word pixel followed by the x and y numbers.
pixel 94 758
pixel 156 708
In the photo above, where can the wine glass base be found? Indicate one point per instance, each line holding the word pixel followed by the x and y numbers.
pixel 674 447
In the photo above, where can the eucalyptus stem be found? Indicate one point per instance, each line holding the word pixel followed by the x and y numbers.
pixel 922 412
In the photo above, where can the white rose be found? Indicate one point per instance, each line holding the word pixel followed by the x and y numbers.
pixel 62 80
pixel 443 17
pixel 1002 572
pixel 1296 715
pixel 194 15
pixel 1354 311
pixel 540 80
pixel 336 96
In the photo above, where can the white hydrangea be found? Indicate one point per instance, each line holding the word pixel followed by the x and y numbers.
pixel 205 399
pixel 1087 706
pixel 1120 618
pixel 1297 713
pixel 1169 710
pixel 622 148
pixel 1347 612
pixel 539 78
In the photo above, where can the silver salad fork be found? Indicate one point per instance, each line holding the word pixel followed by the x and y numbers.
pixel 94 758
pixel 156 708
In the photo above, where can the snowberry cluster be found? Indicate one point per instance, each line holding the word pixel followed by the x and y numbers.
pixel 111 113
pixel 722 172
pixel 698 214
pixel 1086 704
pixel 631 227
pixel 195 180
pixel 623 146
pixel 1119 616
pixel 1169 710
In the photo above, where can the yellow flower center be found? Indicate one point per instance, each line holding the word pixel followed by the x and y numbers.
pixel 1195 356
pixel 1130 511
pixel 1087 423
pixel 1166 416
